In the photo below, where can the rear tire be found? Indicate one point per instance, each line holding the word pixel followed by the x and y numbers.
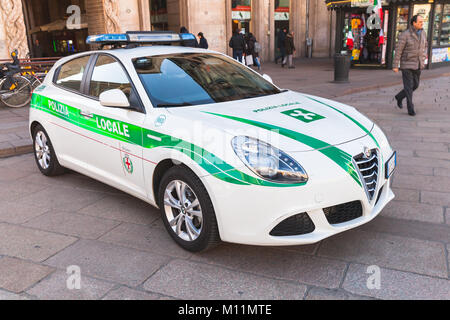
pixel 187 211
pixel 44 153
pixel 20 96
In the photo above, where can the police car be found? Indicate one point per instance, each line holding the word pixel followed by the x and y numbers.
pixel 221 151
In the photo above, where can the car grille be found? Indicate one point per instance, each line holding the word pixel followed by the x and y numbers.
pixel 343 212
pixel 294 226
pixel 368 168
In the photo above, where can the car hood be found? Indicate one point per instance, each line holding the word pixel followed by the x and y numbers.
pixel 283 115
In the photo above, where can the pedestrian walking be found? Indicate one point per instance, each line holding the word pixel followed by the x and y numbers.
pixel 281 37
pixel 189 43
pixel 203 43
pixel 252 56
pixel 237 43
pixel 290 50
pixel 410 56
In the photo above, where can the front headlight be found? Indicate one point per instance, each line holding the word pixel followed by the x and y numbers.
pixel 268 162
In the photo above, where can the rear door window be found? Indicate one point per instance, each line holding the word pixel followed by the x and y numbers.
pixel 70 74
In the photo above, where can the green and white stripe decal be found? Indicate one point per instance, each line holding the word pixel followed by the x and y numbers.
pixel 150 139
pixel 358 124
pixel 340 157
pixel 350 118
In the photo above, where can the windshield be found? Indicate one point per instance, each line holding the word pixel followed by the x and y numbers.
pixel 187 79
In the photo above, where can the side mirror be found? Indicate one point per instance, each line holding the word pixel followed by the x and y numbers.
pixel 268 78
pixel 114 98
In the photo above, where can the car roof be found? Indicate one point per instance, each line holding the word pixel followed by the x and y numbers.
pixel 142 51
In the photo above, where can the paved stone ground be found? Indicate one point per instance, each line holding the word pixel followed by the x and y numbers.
pixel 48 224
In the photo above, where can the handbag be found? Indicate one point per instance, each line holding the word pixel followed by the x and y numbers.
pixel 249 60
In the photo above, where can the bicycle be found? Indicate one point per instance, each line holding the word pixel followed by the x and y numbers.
pixel 15 89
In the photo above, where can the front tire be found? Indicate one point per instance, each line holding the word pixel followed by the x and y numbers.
pixel 187 210
pixel 44 153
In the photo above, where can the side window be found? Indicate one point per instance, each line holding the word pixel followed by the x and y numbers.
pixel 108 74
pixel 71 73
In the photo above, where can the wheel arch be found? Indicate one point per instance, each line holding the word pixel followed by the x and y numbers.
pixel 33 125
pixel 164 165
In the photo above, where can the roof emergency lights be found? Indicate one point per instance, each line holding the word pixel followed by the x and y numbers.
pixel 139 37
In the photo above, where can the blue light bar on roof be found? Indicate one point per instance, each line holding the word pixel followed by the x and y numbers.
pixel 153 37
pixel 139 37
pixel 102 38
pixel 187 36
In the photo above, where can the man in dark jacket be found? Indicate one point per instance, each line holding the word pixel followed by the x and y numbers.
pixel 203 42
pixel 237 42
pixel 189 43
pixel 281 37
pixel 410 55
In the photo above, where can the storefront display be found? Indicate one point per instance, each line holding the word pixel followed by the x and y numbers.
pixel 402 20
pixel 365 45
pixel 377 47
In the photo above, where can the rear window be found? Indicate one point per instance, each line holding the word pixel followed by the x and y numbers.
pixel 187 79
pixel 71 73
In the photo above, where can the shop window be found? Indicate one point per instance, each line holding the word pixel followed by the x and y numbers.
pixel 423 10
pixel 402 20
pixel 71 73
pixel 158 15
pixel 445 26
pixel 241 13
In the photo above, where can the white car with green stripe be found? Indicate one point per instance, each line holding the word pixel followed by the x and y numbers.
pixel 221 151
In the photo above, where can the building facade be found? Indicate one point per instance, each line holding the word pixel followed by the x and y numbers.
pixel 60 27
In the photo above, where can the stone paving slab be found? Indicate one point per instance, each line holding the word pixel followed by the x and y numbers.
pixel 277 264
pixel 407 254
pixel 17 275
pixel 73 224
pixel 18 213
pixel 396 285
pixel 5 295
pixel 70 199
pixel 414 211
pixel 55 287
pixel 176 280
pixel 106 261
pixel 31 244
pixel 440 198
pixel 118 208
pixel 146 238
pixel 316 293
pixel 409 229
pixel 124 293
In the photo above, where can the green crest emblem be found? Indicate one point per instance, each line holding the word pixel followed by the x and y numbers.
pixel 127 164
pixel 303 115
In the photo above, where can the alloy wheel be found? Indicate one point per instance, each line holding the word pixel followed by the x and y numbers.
pixel 183 210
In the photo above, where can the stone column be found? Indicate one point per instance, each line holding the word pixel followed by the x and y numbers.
pixel 12 28
pixel 264 27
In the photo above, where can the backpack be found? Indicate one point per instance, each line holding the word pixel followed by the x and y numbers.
pixel 257 47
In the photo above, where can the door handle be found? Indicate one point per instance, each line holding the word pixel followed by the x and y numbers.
pixel 86 114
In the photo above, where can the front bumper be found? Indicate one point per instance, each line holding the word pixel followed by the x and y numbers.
pixel 249 214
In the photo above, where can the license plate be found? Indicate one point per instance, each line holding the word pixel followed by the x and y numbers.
pixel 391 164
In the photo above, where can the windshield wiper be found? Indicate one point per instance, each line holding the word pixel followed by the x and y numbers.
pixel 173 105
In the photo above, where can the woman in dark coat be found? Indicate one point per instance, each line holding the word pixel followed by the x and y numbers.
pixel 290 49
pixel 251 50
pixel 203 42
